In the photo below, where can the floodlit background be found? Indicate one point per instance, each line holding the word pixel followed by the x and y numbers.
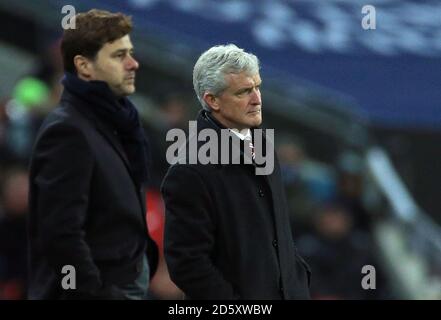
pixel 357 118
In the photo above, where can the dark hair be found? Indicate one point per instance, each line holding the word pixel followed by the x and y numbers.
pixel 92 30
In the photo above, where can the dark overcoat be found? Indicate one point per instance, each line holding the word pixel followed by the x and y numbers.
pixel 86 210
pixel 227 232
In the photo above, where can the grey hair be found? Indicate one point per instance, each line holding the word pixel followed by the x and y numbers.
pixel 212 66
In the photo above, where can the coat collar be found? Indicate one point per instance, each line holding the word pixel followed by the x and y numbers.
pixel 206 120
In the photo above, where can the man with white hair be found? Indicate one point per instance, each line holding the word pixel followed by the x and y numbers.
pixel 227 232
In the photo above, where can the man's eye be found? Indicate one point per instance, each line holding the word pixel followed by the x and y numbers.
pixel 245 91
pixel 248 91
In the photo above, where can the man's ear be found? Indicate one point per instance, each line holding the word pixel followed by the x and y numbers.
pixel 211 100
pixel 84 67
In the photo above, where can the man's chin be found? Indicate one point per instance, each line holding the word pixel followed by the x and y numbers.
pixel 256 122
pixel 128 90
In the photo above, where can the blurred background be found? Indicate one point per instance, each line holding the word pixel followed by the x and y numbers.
pixel 357 118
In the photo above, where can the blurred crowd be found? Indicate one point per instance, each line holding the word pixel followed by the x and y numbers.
pixel 331 226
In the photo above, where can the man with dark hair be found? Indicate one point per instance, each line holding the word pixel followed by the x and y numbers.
pixel 87 225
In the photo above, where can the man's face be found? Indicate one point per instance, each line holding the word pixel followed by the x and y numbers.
pixel 239 106
pixel 115 65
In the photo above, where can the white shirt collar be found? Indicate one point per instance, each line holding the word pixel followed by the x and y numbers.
pixel 244 134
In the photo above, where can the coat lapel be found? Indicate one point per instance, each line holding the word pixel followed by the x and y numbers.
pixel 112 137
pixel 106 131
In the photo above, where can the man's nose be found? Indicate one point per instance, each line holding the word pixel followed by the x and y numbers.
pixel 132 64
pixel 256 97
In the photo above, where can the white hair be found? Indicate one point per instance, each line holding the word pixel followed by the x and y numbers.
pixel 212 66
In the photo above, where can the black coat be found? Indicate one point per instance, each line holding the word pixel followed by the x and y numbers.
pixel 227 232
pixel 85 209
